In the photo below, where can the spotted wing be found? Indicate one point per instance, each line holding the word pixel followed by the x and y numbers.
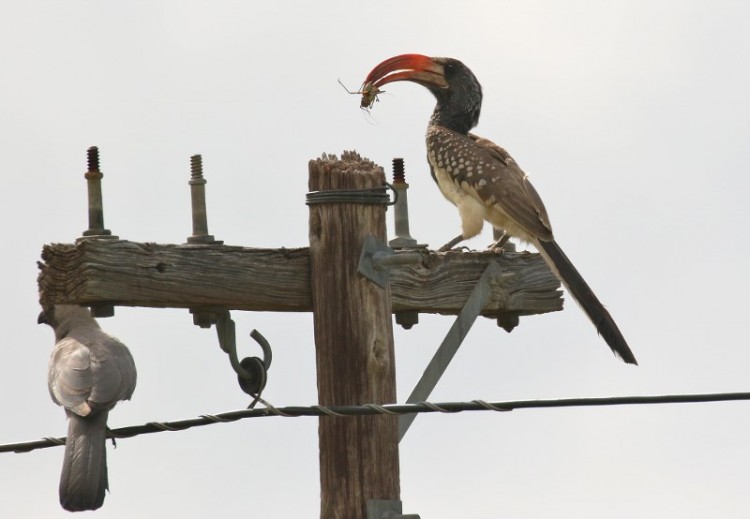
pixel 510 188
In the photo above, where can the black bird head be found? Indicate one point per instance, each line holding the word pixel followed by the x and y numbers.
pixel 458 93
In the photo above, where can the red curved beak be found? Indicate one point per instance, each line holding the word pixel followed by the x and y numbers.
pixel 408 67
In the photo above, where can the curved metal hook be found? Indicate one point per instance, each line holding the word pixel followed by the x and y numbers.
pixel 251 371
pixel 225 330
pixel 263 343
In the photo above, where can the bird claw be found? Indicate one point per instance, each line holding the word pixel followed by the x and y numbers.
pixel 498 249
pixel 460 248
pixel 498 244
pixel 455 241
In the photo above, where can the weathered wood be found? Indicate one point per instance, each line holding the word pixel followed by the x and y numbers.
pixel 239 278
pixel 180 276
pixel 353 344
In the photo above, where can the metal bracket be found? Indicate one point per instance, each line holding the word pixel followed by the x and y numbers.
pixel 251 371
pixel 377 257
pixel 450 344
pixel 387 509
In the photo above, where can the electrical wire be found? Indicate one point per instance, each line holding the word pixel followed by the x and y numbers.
pixel 386 409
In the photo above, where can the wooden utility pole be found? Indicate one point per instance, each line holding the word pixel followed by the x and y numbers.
pixel 353 331
pixel 353 343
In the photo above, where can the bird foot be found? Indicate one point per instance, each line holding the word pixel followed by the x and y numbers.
pixel 460 248
pixel 449 246
pixel 498 244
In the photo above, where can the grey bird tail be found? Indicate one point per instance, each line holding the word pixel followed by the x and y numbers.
pixel 582 293
pixel 84 474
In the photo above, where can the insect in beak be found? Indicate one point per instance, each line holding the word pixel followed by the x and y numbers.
pixel 368 92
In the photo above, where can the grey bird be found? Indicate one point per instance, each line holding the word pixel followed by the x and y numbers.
pixel 89 372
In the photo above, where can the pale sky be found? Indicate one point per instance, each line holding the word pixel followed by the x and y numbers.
pixel 632 119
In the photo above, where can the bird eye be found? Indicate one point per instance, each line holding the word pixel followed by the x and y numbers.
pixel 452 68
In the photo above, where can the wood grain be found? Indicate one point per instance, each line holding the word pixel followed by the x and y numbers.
pixel 353 344
pixel 277 280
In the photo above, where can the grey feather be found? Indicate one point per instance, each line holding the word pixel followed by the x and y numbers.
pixel 89 372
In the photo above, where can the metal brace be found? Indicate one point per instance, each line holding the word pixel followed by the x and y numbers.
pixel 251 371
pixel 450 344
pixel 377 257
pixel 387 509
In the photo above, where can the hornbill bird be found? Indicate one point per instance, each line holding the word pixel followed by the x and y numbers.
pixel 481 179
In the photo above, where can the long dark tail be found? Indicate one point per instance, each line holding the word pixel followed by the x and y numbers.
pixel 84 474
pixel 581 292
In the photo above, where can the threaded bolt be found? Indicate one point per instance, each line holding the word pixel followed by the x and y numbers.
pixel 403 239
pixel 96 218
pixel 196 166
pixel 198 203
pixel 95 207
pixel 92 155
pixel 399 176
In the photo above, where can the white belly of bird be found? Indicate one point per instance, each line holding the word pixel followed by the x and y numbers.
pixel 473 211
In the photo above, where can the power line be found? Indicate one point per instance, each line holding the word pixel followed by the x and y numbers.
pixel 387 409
